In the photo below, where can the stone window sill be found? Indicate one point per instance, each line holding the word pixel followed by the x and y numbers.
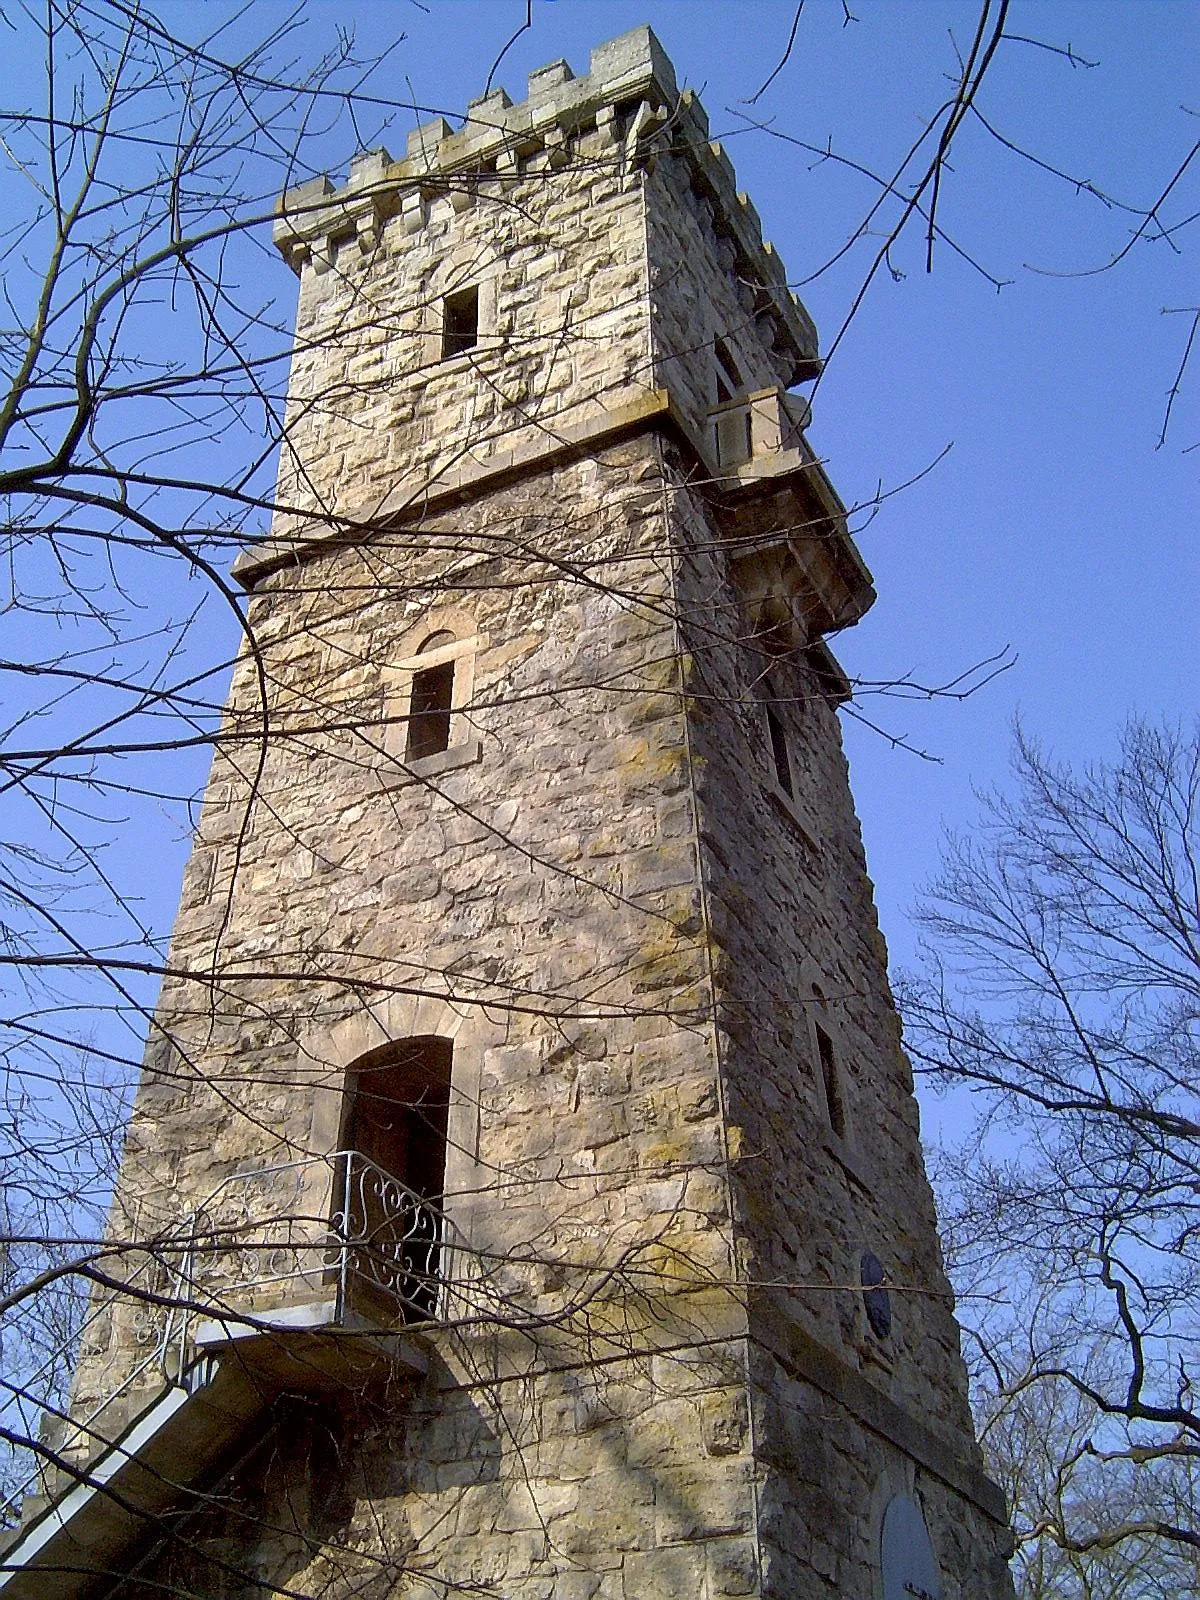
pixel 487 344
pixel 847 1158
pixel 458 362
pixel 874 1353
pixel 458 755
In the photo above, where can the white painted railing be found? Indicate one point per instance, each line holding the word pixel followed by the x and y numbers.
pixel 338 1224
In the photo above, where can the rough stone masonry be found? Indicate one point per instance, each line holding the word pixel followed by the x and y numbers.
pixel 692 1332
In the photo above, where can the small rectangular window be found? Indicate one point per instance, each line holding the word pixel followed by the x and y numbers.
pixel 460 322
pixel 430 704
pixel 833 1089
pixel 779 753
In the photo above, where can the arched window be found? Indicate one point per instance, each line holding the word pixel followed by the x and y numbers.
pixel 431 728
pixel 907 1563
pixel 399 1097
pixel 431 700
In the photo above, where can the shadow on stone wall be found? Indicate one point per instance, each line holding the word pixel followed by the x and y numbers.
pixel 313 1505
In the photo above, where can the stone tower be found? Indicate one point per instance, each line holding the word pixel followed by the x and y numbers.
pixel 526 1161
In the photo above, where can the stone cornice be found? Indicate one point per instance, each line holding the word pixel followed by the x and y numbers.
pixel 815 1363
pixel 843 581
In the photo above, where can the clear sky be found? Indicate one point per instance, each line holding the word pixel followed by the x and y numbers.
pixel 1053 528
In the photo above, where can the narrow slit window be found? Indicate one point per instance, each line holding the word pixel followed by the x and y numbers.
pixel 829 1076
pixel 779 752
pixel 729 377
pixel 460 322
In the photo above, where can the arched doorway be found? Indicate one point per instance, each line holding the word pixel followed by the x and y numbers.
pixel 389 1189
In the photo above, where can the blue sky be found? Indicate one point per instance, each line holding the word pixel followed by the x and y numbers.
pixel 1052 528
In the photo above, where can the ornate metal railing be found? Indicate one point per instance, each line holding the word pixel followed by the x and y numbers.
pixel 338 1232
pixel 338 1223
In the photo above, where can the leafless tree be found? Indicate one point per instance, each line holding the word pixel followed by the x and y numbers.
pixel 145 344
pixel 909 219
pixel 1061 989
pixel 143 380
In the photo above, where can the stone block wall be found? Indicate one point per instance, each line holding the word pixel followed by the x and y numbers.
pixel 543 898
pixel 702 290
pixel 620 1405
pixel 559 257
pixel 791 907
pixel 584 1427
pixel 632 1483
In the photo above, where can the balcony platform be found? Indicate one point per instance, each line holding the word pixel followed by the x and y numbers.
pixel 185 1432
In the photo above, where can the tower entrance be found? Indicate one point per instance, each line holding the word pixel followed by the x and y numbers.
pixel 394 1139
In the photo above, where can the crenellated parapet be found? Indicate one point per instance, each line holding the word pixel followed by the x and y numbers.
pixel 627 108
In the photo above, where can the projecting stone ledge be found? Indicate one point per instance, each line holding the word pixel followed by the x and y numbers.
pixel 843 585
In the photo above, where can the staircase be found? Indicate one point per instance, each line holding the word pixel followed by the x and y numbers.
pixel 289 1280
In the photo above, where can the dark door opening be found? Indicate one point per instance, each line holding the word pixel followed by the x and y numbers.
pixel 395 1174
